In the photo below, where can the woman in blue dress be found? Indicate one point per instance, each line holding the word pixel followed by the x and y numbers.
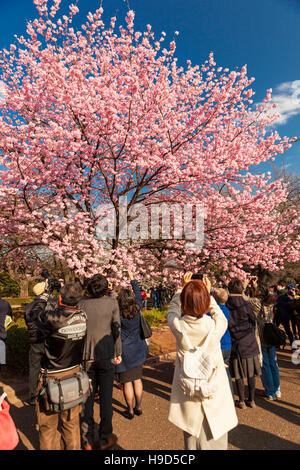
pixel 134 348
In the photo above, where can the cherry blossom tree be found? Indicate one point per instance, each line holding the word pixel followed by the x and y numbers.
pixel 96 114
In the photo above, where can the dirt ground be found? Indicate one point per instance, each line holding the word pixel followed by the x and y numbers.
pixel 270 426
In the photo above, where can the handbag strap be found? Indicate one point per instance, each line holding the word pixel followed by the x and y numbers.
pixel 61 395
pixel 188 342
pixel 79 384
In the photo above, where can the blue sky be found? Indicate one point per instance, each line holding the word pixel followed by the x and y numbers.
pixel 264 34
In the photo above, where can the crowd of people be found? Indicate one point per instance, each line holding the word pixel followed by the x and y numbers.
pixel 98 330
pixel 235 317
pixel 156 297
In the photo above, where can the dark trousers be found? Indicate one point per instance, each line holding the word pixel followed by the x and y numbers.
pixel 36 352
pixel 226 356
pixel 284 320
pixel 295 326
pixel 102 377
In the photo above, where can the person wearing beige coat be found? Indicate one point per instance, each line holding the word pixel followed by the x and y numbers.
pixel 205 423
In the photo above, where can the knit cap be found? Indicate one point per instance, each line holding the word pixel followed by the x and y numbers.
pixel 39 288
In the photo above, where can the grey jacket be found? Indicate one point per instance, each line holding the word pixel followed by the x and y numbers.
pixel 103 340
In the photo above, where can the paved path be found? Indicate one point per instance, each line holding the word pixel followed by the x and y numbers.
pixel 270 426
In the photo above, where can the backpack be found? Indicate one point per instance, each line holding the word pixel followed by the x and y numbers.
pixel 273 335
pixel 144 295
pixel 197 374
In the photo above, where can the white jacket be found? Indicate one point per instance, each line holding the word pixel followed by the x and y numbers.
pixel 188 413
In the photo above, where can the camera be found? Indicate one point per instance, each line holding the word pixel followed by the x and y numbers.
pixel 197 276
pixel 292 291
pixel 53 284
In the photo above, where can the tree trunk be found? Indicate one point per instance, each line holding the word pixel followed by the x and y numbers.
pixel 23 285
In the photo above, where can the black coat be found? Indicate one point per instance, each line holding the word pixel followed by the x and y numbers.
pixel 65 331
pixel 241 326
pixel 294 308
pixel 35 334
pixel 284 308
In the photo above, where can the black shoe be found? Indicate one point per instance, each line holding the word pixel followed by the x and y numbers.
pixel 251 404
pixel 128 415
pixel 137 412
pixel 241 404
pixel 31 401
pixel 107 445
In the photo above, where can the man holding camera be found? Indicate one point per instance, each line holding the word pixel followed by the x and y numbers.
pixel 36 340
pixel 64 326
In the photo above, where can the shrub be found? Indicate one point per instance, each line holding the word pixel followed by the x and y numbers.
pixel 17 346
pixel 7 285
pixel 155 316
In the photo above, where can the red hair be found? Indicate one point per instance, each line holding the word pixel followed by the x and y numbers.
pixel 195 298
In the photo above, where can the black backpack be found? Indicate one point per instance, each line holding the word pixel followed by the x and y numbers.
pixel 273 335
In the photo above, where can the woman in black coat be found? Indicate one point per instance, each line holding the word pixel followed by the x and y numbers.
pixel 244 360
pixel 134 348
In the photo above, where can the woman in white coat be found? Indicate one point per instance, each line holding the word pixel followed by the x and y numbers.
pixel 206 422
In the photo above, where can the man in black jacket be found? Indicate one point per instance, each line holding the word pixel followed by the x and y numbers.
pixel 294 310
pixel 5 309
pixel 36 340
pixel 283 313
pixel 64 326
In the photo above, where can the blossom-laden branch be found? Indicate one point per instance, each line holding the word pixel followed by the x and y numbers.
pixel 93 115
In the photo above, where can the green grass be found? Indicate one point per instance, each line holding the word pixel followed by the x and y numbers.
pixel 18 300
pixel 155 316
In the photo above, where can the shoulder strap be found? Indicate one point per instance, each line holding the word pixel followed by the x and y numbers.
pixel 188 342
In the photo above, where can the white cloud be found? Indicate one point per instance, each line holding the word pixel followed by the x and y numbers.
pixel 287 97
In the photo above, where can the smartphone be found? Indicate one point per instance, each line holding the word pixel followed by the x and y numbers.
pixel 198 276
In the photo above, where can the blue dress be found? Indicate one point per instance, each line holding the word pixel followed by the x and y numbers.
pixel 134 348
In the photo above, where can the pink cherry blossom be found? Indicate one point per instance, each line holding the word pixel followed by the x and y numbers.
pixel 92 115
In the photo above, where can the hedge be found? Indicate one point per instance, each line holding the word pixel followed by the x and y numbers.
pixel 155 316
pixel 17 346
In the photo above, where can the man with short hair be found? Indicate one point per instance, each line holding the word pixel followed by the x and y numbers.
pixel 103 351
pixel 64 326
